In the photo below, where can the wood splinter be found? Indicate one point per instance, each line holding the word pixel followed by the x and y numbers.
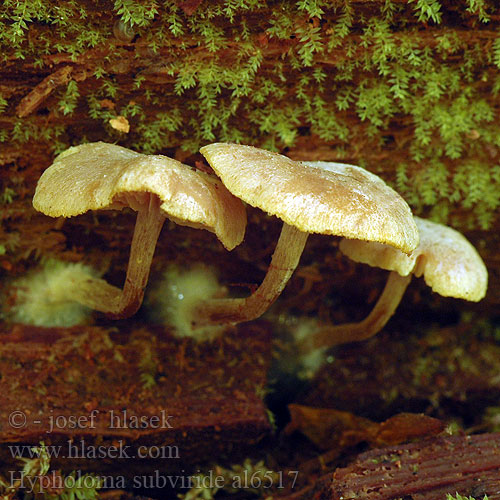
pixel 35 98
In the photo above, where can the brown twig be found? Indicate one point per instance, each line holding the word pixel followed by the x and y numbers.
pixel 35 98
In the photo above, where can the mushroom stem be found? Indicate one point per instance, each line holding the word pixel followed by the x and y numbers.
pixel 146 232
pixel 371 325
pixel 100 295
pixel 95 293
pixel 285 258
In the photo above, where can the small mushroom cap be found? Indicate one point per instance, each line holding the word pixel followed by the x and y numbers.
pixel 105 176
pixel 315 197
pixel 450 265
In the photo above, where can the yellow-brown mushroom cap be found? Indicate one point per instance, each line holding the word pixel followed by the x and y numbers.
pixel 105 176
pixel 315 197
pixel 449 263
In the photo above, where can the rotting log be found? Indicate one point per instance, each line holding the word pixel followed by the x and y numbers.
pixel 173 403
pixel 410 94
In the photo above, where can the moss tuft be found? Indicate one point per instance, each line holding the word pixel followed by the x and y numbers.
pixel 414 83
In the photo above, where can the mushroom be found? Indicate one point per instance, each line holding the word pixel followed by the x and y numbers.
pixel 105 176
pixel 448 262
pixel 327 198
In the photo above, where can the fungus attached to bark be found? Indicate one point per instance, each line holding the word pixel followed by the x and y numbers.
pixel 325 198
pixel 105 176
pixel 448 262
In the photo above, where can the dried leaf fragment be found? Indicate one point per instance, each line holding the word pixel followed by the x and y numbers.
pixel 120 123
pixel 333 429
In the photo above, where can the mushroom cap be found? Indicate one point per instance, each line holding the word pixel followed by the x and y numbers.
pixel 315 197
pixel 449 263
pixel 105 176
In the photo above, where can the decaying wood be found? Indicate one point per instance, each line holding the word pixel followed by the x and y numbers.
pixel 213 391
pixel 423 470
pixel 426 470
pixel 35 98
pixel 449 371
pixel 201 399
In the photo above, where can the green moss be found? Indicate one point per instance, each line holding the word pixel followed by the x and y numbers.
pixel 36 480
pixel 253 477
pixel 417 82
pixel 457 496
pixel 148 365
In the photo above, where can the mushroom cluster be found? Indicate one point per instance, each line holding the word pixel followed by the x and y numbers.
pixel 376 224
pixel 325 198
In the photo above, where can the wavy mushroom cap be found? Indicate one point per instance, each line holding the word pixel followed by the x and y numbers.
pixel 449 263
pixel 105 176
pixel 315 197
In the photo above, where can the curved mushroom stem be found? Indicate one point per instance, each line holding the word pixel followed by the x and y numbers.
pixel 93 292
pixel 100 295
pixel 354 332
pixel 147 229
pixel 285 258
